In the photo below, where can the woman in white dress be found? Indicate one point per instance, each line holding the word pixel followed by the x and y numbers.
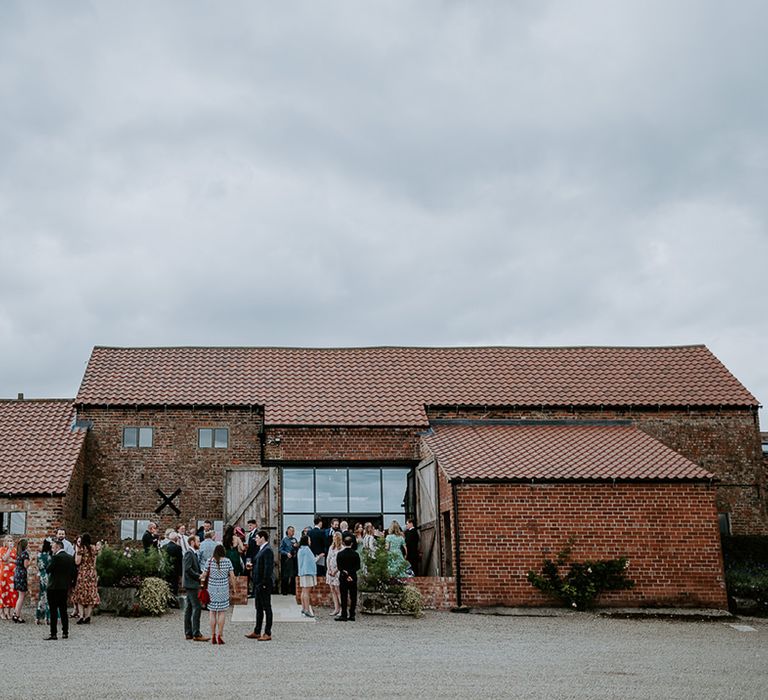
pixel 332 575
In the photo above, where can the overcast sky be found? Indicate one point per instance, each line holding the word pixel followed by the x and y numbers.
pixel 365 173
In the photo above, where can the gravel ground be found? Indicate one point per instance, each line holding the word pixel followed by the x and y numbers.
pixel 443 654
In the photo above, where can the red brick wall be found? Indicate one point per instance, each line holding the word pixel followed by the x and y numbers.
pixel 668 532
pixel 341 443
pixel 122 481
pixel 726 442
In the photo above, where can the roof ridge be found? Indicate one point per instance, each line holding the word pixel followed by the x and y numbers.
pixel 38 400
pixel 400 347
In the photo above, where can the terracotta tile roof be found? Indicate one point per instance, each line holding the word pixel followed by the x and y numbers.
pixel 391 385
pixel 556 452
pixel 38 448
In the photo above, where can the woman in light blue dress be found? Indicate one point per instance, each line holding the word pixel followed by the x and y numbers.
pixel 395 543
pixel 307 574
pixel 220 575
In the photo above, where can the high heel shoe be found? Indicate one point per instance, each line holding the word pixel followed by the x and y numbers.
pixel 84 621
pixel 14 618
pixel 221 641
pixel 214 640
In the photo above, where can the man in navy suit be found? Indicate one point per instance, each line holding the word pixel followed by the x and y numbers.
pixel 263 571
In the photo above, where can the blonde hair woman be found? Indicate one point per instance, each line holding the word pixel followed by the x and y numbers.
pixel 332 576
pixel 395 543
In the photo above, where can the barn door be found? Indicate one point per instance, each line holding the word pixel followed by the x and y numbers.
pixel 251 493
pixel 426 518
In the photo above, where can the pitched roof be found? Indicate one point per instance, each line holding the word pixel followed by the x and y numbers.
pixel 556 451
pixel 38 447
pixel 392 385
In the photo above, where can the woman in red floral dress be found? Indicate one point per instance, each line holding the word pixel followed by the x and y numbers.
pixel 86 593
pixel 8 595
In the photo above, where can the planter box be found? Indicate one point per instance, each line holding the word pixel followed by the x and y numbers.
pixel 118 600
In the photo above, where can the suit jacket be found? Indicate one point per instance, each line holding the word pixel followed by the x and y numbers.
pixel 317 540
pixel 191 570
pixel 348 562
pixel 175 555
pixel 412 543
pixel 61 571
pixel 263 568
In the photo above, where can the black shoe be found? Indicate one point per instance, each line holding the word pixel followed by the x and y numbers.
pixel 352 619
pixel 53 636
pixel 65 636
pixel 339 618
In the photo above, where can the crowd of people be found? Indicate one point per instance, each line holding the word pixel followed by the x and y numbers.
pixel 65 572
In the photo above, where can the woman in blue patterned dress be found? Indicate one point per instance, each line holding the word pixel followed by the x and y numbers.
pixel 220 575
pixel 42 614
pixel 395 543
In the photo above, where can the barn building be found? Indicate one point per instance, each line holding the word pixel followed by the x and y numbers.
pixel 501 454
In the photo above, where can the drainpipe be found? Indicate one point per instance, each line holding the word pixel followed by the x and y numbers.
pixel 454 489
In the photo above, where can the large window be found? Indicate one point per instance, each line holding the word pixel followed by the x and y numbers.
pixel 137 437
pixel 371 492
pixel 13 523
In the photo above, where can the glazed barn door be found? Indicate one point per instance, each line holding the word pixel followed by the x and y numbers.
pixel 251 493
pixel 426 518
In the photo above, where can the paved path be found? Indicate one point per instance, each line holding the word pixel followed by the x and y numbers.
pixel 442 655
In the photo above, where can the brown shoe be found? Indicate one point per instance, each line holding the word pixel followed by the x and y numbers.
pixel 265 638
pixel 253 635
pixel 200 638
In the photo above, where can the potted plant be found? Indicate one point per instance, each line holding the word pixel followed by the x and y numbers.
pixel 121 573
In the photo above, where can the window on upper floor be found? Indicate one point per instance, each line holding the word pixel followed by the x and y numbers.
pixel 213 437
pixel 13 523
pixel 138 437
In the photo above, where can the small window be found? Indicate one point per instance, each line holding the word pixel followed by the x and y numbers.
pixel 765 449
pixel 725 523
pixel 137 437
pixel 213 437
pixel 133 529
pixel 13 523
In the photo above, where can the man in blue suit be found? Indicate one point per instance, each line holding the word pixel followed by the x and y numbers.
pixel 263 571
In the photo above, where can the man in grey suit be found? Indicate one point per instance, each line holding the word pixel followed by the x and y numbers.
pixel 191 579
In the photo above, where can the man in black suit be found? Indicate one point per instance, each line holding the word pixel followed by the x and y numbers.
pixel 150 538
pixel 251 550
pixel 348 564
pixel 191 583
pixel 412 545
pixel 61 571
pixel 175 555
pixel 317 543
pixel 263 571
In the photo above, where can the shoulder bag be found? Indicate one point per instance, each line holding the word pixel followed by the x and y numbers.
pixel 202 595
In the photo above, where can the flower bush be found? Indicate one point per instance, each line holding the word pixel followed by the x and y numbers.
pixel 580 585
pixel 154 595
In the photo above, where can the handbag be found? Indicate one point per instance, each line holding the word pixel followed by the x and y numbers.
pixel 202 595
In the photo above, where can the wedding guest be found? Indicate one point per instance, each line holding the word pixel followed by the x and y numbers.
pixel 175 555
pixel 206 527
pixel 61 571
pixel 86 592
pixel 7 573
pixel 150 537
pixel 332 575
pixel 317 544
pixel 220 577
pixel 263 570
pixel 192 573
pixel 288 548
pixel 307 574
pixel 395 543
pixel 412 538
pixel 69 548
pixel 234 547
pixel 20 577
pixel 369 539
pixel 183 540
pixel 348 562
pixel 206 549
pixel 42 611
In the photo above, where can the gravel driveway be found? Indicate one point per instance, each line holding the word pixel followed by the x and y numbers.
pixel 443 654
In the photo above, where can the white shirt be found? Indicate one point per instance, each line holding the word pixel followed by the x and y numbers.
pixel 68 548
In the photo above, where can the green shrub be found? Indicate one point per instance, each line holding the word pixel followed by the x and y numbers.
pixel 154 595
pixel 129 566
pixel 378 575
pixel 584 581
